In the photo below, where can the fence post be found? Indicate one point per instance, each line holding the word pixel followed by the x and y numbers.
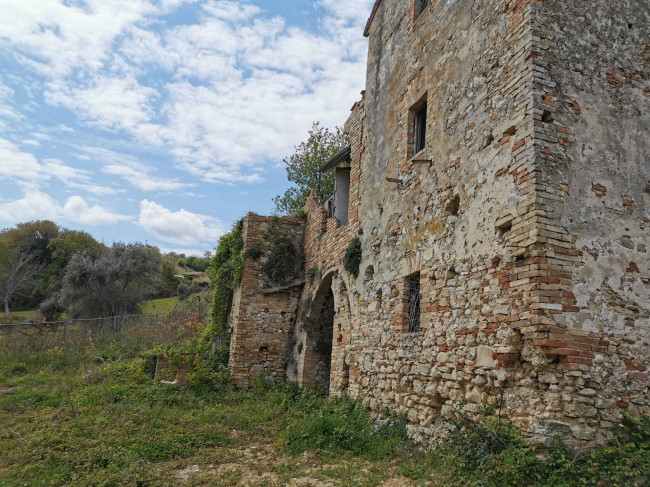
pixel 65 333
pixel 115 325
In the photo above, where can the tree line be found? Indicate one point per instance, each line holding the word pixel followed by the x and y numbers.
pixel 57 270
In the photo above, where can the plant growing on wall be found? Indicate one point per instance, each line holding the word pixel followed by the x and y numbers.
pixel 352 257
pixel 283 263
pixel 225 273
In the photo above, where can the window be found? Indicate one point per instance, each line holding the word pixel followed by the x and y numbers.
pixel 420 5
pixel 413 302
pixel 420 128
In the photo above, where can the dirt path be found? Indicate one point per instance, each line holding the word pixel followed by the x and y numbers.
pixel 262 465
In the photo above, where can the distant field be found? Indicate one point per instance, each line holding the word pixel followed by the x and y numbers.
pixel 166 305
pixel 18 316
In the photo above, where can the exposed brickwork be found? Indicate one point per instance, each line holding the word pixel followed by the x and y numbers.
pixel 525 215
pixel 263 314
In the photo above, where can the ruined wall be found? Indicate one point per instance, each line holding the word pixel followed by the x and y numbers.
pixel 593 145
pixel 525 218
pixel 326 241
pixel 495 215
pixel 263 312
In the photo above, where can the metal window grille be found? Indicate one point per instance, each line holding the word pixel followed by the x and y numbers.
pixel 413 301
pixel 420 129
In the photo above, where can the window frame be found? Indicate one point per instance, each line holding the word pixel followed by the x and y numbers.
pixel 413 300
pixel 420 128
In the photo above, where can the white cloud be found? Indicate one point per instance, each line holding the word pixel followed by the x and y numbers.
pixel 132 170
pixel 77 210
pixel 24 168
pixel 178 227
pixel 38 205
pixel 55 38
pixel 110 103
pixel 239 88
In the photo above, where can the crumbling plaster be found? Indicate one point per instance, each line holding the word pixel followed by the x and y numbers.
pixel 526 217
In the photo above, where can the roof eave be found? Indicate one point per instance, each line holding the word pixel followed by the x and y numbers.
pixel 340 157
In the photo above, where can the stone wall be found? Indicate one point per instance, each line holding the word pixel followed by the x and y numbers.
pixel 263 312
pixel 525 218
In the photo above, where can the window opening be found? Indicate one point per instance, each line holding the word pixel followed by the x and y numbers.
pixel 413 302
pixel 420 5
pixel 263 354
pixel 420 129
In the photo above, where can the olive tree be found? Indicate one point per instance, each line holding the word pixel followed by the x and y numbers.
pixel 111 284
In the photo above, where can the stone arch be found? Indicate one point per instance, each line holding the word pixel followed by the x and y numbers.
pixel 327 325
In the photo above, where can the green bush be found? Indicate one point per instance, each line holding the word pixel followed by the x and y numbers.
pixel 225 274
pixel 488 452
pixel 18 368
pixel 283 263
pixel 254 253
pixel 352 258
pixel 209 374
pixel 344 425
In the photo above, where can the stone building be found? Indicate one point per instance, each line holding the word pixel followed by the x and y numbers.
pixel 499 185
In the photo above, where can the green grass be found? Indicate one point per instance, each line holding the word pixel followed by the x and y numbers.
pixel 163 306
pixel 96 417
pixel 18 316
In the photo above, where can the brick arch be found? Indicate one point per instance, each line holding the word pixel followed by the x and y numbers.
pixel 327 324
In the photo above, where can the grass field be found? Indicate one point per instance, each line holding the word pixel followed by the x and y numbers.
pixel 18 316
pixel 97 417
pixel 153 306
pixel 107 422
pixel 166 305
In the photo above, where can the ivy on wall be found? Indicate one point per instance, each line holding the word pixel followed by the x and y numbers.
pixel 225 273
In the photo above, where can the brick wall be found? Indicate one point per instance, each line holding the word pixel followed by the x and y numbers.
pixel 263 313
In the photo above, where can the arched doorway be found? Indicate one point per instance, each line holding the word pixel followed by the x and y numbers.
pixel 326 325
pixel 323 334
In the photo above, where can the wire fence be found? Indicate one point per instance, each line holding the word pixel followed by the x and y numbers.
pixel 144 329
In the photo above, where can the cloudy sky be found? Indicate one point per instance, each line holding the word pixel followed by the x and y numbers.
pixel 165 120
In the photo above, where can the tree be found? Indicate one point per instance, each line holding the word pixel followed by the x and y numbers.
pixel 34 237
pixel 167 280
pixel 302 169
pixel 18 270
pixel 62 248
pixel 114 283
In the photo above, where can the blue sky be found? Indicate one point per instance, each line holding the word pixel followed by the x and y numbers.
pixel 165 120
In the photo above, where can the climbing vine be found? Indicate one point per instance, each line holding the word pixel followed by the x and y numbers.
pixel 352 258
pixel 225 273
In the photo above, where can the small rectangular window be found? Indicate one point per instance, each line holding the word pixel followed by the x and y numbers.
pixel 420 129
pixel 420 5
pixel 413 302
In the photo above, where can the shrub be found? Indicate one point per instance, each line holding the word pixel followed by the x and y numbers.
pixel 342 424
pixel 489 452
pixel 225 273
pixel 186 289
pixel 209 374
pixel 254 253
pixel 352 258
pixel 312 273
pixel 18 368
pixel 283 263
